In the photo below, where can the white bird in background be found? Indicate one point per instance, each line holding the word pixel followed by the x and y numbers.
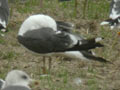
pixel 42 34
pixel 114 17
pixel 16 80
pixel 4 14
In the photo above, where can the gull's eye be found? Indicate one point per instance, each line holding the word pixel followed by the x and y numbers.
pixel 24 77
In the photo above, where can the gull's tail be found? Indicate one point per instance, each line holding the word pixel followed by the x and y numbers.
pixel 87 44
pixel 90 56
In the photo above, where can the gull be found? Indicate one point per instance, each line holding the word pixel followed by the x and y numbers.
pixel 114 16
pixel 41 34
pixel 17 80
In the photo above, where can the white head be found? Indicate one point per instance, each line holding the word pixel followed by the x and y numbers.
pixel 17 77
pixel 37 22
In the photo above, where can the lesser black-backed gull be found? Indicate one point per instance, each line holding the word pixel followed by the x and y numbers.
pixel 114 17
pixel 4 14
pixel 39 33
pixel 17 80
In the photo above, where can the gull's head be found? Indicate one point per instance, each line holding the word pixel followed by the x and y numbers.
pixel 37 22
pixel 17 77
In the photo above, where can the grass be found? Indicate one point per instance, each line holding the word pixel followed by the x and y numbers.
pixel 97 10
pixel 94 75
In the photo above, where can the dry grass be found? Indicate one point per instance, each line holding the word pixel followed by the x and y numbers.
pixel 94 75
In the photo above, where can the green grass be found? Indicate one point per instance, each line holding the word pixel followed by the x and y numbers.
pixel 2 41
pixel 97 10
pixel 9 55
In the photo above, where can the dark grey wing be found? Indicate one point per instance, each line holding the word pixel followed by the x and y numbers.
pixel 1 83
pixel 89 55
pixel 78 36
pixel 16 88
pixel 45 40
pixel 4 10
pixel 64 26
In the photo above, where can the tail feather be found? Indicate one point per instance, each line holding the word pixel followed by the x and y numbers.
pixel 100 59
pixel 92 57
pixel 86 45
pixel 91 43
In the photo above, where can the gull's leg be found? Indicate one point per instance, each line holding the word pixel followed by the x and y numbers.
pixel 44 68
pixel 50 61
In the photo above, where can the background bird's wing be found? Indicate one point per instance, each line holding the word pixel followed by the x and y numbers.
pixel 64 26
pixel 4 10
pixel 115 9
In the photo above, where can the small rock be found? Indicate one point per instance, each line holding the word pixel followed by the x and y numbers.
pixel 77 81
